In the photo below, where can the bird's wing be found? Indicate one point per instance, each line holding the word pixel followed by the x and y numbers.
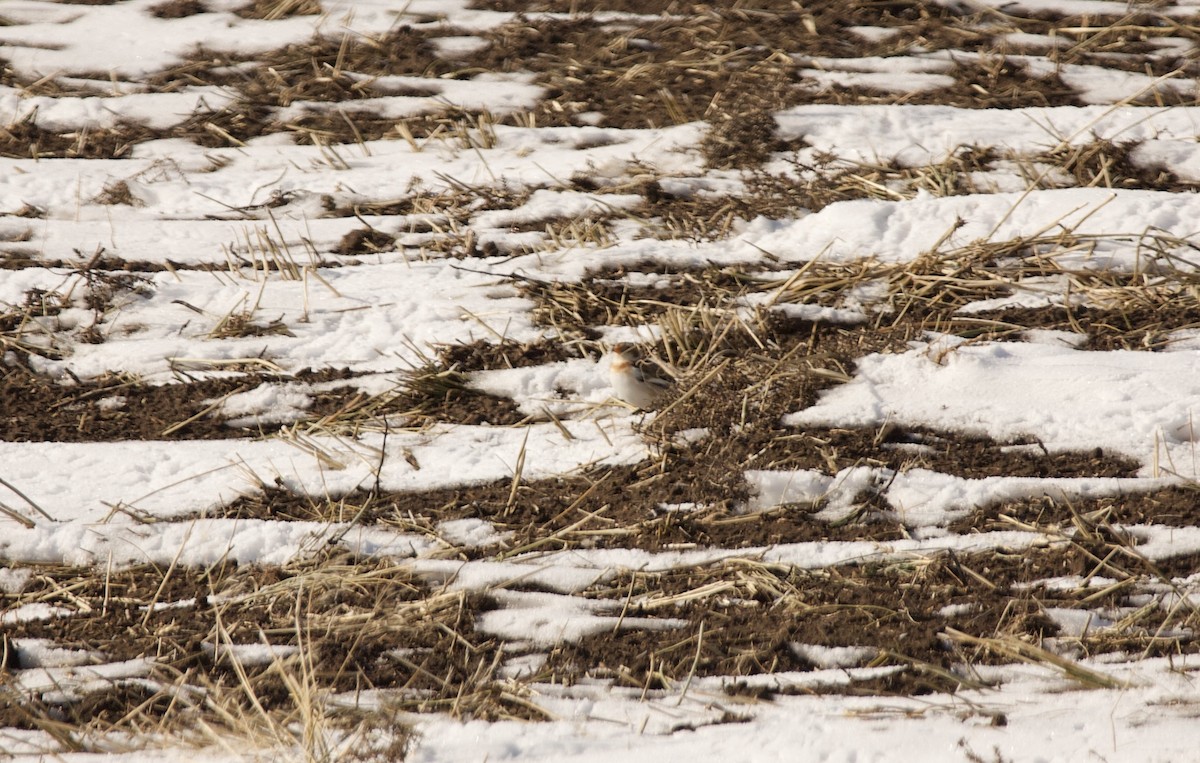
pixel 656 372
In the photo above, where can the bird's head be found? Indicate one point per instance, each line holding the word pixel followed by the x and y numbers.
pixel 623 355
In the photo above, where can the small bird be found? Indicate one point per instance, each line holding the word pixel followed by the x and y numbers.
pixel 634 380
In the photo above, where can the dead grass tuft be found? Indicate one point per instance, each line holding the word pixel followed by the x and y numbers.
pixel 1105 164
pixel 434 392
pixel 24 139
pixel 605 297
pixel 480 356
pixel 334 624
pixel 273 10
pixel 743 132
pixel 177 9
pixel 365 241
pixel 117 192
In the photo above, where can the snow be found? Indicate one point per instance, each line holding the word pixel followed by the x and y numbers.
pixel 899 231
pixel 547 619
pixel 80 482
pixel 1129 402
pixel 561 388
pixel 1153 721
pixel 868 133
pixel 202 542
pixel 155 110
pixel 833 657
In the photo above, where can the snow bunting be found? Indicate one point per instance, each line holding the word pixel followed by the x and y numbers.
pixel 635 381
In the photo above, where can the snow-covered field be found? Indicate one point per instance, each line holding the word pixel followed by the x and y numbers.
pixel 308 446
